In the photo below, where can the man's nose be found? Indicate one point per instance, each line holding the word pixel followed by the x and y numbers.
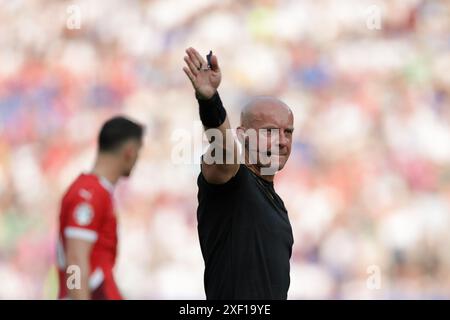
pixel 282 140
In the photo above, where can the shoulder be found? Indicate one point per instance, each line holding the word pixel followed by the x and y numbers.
pixel 87 189
pixel 84 209
pixel 239 179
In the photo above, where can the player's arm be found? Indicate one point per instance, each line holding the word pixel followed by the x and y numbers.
pixel 81 234
pixel 205 82
pixel 78 253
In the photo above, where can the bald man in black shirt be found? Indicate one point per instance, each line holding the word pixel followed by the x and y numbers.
pixel 244 229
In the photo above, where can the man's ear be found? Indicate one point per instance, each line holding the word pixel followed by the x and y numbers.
pixel 128 150
pixel 240 132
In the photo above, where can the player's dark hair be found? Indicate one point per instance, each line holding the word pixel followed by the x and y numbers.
pixel 116 131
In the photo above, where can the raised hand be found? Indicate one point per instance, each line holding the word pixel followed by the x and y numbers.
pixel 205 80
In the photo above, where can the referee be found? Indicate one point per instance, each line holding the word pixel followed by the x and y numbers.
pixel 244 229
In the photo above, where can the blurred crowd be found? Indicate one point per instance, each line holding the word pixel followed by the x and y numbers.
pixel 368 183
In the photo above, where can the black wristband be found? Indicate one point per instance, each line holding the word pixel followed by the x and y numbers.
pixel 212 112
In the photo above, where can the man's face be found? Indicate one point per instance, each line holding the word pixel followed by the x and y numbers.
pixel 273 125
pixel 129 154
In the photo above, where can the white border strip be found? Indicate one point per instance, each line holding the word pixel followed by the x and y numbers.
pixel 80 233
pixel 96 279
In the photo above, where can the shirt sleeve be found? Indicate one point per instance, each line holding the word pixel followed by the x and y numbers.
pixel 85 218
pixel 230 185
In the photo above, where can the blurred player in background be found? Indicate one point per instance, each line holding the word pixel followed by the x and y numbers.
pixel 88 226
pixel 244 229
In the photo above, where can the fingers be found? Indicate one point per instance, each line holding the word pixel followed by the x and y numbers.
pixel 191 65
pixel 199 57
pixel 196 57
pixel 214 63
pixel 189 74
pixel 193 58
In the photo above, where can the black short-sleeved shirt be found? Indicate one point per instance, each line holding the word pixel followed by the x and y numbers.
pixel 245 238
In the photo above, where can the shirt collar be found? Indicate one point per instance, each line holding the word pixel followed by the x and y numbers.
pixel 106 184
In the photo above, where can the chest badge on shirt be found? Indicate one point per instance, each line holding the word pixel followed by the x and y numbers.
pixel 85 194
pixel 83 214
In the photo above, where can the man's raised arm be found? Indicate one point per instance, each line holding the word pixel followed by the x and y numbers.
pixel 223 148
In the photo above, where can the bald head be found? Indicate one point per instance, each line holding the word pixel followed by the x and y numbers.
pixel 261 109
pixel 271 121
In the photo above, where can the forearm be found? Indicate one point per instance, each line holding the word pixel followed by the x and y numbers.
pixel 220 163
pixel 217 129
pixel 81 292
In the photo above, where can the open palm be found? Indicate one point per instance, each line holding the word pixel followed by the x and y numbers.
pixel 204 80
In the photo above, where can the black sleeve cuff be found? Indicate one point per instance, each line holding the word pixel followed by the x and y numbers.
pixel 212 112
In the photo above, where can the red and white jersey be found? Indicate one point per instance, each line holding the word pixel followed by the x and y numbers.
pixel 87 213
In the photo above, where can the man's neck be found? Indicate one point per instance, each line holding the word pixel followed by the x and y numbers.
pixel 104 167
pixel 257 170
